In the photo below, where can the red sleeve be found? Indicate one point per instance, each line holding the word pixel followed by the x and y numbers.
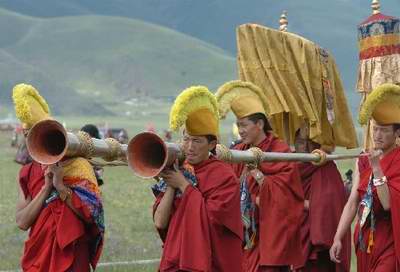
pixel 161 232
pixel 181 241
pixel 327 200
pixel 363 164
pixel 327 187
pixel 394 188
pixel 223 198
pixel 157 202
pixel 280 212
pixel 69 227
pixel 24 178
pixel 75 229
pixel 215 204
pixel 393 177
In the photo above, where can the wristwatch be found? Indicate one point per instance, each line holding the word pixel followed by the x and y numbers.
pixel 259 177
pixel 379 181
pixel 64 194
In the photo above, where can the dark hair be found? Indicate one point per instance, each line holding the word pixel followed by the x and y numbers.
pixel 211 138
pixel 260 116
pixel 349 175
pixel 92 130
pixel 396 127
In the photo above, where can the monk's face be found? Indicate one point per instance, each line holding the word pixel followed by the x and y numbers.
pixel 25 132
pixel 250 132
pixel 302 143
pixel 197 148
pixel 384 136
pixel 301 140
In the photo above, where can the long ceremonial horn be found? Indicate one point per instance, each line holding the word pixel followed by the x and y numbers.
pixel 48 142
pixel 257 155
pixel 148 155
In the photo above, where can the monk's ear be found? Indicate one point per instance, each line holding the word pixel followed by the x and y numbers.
pixel 212 144
pixel 396 128
pixel 260 124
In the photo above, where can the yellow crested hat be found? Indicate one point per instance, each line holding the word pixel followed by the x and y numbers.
pixel 243 98
pixel 30 106
pixel 383 105
pixel 197 109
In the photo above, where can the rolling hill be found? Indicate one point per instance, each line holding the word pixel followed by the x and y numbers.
pixel 92 62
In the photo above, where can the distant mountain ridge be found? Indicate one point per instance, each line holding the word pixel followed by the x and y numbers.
pixel 332 24
pixel 88 64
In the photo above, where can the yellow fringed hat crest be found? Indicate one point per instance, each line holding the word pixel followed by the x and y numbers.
pixel 243 98
pixel 197 109
pixel 30 106
pixel 383 105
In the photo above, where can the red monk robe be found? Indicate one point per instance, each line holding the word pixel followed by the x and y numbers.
pixel 324 188
pixel 58 240
pixel 384 253
pixel 278 216
pixel 205 230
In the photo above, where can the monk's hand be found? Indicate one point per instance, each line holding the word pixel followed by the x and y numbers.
pixel 335 251
pixel 257 175
pixel 175 179
pixel 48 179
pixel 306 205
pixel 58 175
pixel 374 158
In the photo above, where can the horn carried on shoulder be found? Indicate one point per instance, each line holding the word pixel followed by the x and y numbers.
pixel 48 142
pixel 148 155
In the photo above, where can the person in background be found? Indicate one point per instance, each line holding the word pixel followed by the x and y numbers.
pixel 348 182
pixel 325 197
pixel 123 137
pixel 93 132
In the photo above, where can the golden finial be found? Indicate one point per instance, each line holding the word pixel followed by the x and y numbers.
pixel 283 22
pixel 375 7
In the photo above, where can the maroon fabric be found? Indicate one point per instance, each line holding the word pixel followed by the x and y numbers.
pixel 279 214
pixel 321 263
pixel 31 179
pixel 57 240
pixel 324 188
pixel 205 230
pixel 385 253
pixel 273 269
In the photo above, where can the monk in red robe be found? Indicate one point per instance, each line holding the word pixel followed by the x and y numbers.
pixel 64 235
pixel 325 197
pixel 197 207
pixel 60 205
pixel 272 199
pixel 277 205
pixel 375 196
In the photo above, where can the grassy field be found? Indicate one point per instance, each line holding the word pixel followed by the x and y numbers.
pixel 130 234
